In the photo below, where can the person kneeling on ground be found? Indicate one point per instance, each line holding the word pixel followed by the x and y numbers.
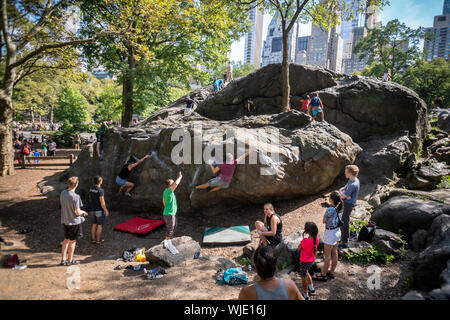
pixel 98 210
pixel 121 179
pixel 331 237
pixel 272 234
pixel 269 287
pixel 226 173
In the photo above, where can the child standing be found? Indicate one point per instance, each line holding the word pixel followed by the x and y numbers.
pixel 36 154
pixel 331 237
pixel 308 251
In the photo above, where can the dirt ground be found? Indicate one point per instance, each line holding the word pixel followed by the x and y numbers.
pixel 23 206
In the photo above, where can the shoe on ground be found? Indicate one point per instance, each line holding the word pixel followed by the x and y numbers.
pixel 312 291
pixel 127 194
pixel 305 296
pixel 73 263
pixel 330 275
pixel 63 263
pixel 100 242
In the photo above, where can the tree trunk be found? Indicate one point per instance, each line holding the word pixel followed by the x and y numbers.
pixel 6 147
pixel 51 114
pixel 32 114
pixel 127 92
pixel 285 70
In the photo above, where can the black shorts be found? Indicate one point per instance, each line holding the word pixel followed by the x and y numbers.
pixel 98 217
pixel 99 137
pixel 72 232
pixel 274 240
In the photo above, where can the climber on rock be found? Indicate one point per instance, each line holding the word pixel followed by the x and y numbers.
pixel 316 107
pixel 121 179
pixel 223 180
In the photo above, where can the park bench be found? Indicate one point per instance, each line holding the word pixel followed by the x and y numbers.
pixel 24 159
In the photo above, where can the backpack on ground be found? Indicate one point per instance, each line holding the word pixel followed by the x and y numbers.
pixel 367 232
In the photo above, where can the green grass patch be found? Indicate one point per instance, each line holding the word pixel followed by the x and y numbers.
pixel 434 120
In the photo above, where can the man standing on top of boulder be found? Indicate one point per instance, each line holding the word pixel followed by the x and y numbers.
pixel 316 107
pixel 349 195
pixel 170 210
pixel 100 133
pixel 226 173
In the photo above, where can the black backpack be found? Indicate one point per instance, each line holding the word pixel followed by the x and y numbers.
pixel 367 232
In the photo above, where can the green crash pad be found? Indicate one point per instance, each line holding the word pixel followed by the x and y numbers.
pixel 227 235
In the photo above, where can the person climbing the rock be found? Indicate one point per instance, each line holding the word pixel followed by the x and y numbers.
pixel 331 237
pixel 121 179
pixel 249 106
pixel 308 251
pixel 71 218
pixel 387 75
pixel 316 107
pixel 229 71
pixel 99 134
pixel 190 105
pixel 305 104
pixel 268 286
pixel 170 210
pixel 270 235
pixel 217 84
pixel 349 196
pixel 223 180
pixel 99 212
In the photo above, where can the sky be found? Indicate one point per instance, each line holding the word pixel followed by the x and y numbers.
pixel 414 13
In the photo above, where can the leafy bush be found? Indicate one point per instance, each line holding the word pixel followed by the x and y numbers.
pixel 356 225
pixel 371 255
pixel 444 183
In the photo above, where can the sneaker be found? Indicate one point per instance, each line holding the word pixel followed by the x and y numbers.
pixel 127 194
pixel 330 275
pixel 306 296
pixel 171 247
pixel 342 246
pixel 63 263
pixel 74 262
pixel 100 242
pixel 311 291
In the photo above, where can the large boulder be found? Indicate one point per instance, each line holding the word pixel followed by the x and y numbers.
pixel 293 157
pixel 359 106
pixel 408 214
pixel 427 174
pixel 185 246
pixel 388 242
pixel 439 230
pixel 429 265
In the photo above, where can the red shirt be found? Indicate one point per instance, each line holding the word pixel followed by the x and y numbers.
pixel 305 103
pixel 307 252
pixel 227 171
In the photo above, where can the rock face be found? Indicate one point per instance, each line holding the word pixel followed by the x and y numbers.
pixel 388 242
pixel 185 245
pixel 408 214
pixel 359 106
pixel 310 157
pixel 426 174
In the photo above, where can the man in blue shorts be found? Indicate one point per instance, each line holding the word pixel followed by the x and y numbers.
pixel 316 107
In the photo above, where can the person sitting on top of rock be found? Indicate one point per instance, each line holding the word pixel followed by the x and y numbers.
pixel 249 106
pixel 125 172
pixel 316 107
pixel 270 235
pixel 217 84
pixel 190 105
pixel 226 173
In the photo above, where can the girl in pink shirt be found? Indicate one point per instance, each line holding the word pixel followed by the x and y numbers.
pixel 308 250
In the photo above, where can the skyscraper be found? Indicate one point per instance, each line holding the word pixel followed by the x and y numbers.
pixel 325 48
pixel 253 39
pixel 273 45
pixel 446 9
pixel 439 46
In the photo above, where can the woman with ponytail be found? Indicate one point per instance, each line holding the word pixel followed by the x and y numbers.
pixel 308 251
pixel 332 235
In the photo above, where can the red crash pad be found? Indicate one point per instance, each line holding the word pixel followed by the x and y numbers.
pixel 140 226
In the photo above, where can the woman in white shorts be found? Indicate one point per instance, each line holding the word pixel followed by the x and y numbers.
pixel 331 238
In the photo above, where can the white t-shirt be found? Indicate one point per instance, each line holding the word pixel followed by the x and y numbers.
pixel 52 146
